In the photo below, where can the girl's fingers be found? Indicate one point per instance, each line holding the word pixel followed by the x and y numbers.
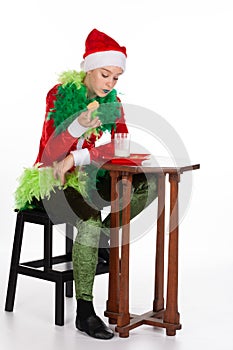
pixel 62 178
pixel 86 120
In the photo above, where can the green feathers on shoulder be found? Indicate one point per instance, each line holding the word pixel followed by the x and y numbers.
pixel 71 100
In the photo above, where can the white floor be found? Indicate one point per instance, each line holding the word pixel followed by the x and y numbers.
pixel 205 306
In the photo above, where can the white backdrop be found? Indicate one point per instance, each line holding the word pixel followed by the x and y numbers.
pixel 179 65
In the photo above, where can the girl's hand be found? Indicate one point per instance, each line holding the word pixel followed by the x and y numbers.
pixel 85 119
pixel 61 168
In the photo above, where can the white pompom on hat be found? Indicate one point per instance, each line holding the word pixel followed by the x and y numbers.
pixel 101 51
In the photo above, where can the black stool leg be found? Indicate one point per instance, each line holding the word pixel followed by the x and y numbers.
pixel 59 303
pixel 10 298
pixel 48 245
pixel 69 245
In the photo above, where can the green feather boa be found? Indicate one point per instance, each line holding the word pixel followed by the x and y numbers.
pixel 36 182
pixel 71 100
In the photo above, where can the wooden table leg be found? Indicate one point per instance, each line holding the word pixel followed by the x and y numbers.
pixel 124 316
pixel 171 315
pixel 112 310
pixel 158 303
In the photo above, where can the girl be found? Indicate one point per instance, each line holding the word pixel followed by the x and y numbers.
pixel 78 110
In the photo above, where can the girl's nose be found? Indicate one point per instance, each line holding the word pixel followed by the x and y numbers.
pixel 110 83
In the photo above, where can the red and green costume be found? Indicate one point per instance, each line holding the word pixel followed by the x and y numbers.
pixel 64 102
pixel 38 188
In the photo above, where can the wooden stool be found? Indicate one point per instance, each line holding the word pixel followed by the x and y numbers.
pixel 46 268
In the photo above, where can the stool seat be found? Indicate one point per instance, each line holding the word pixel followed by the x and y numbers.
pixel 58 269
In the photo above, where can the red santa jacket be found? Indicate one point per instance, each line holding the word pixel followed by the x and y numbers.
pixel 55 147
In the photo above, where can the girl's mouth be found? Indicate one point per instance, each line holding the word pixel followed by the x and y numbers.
pixel 105 91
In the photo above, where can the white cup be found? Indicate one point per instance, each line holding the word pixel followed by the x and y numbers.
pixel 122 144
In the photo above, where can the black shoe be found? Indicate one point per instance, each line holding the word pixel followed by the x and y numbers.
pixel 94 327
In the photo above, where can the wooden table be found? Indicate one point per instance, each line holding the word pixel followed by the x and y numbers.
pixel 166 316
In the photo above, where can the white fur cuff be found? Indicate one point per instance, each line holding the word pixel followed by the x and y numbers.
pixel 81 157
pixel 76 129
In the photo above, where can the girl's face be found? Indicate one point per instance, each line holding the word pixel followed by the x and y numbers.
pixel 101 81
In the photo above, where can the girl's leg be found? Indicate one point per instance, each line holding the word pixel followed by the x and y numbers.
pixel 70 206
pixel 144 191
pixel 85 257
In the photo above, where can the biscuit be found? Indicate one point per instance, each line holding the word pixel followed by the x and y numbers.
pixel 93 105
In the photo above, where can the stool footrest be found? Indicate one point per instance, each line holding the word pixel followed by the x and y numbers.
pixel 47 275
pixel 55 260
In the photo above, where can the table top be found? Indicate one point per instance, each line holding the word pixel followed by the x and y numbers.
pixel 155 165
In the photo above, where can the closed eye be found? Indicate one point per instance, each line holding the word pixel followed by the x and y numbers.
pixel 105 76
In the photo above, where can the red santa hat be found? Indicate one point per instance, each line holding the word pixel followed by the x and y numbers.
pixel 101 51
